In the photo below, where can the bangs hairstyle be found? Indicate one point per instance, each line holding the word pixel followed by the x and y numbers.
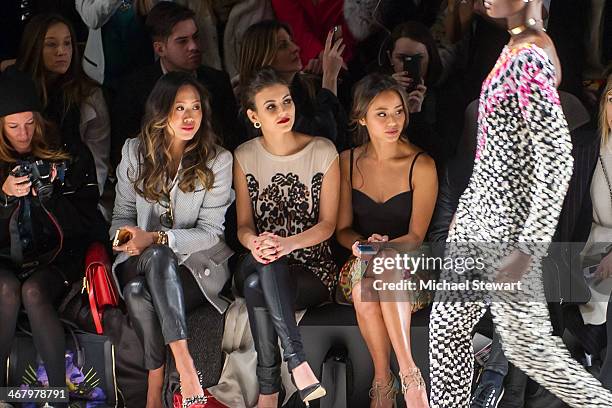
pixel 604 127
pixel 420 33
pixel 153 179
pixel 42 140
pixel 259 46
pixel 364 93
pixel 75 84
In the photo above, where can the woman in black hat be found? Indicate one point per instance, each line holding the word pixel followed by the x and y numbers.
pixel 46 213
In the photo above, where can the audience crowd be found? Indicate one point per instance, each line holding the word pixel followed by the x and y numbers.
pixel 248 150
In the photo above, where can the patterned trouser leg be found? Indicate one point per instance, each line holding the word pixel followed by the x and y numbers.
pixel 525 330
pixel 451 354
pixel 528 343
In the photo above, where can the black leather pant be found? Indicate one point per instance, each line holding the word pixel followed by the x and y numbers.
pixel 158 294
pixel 272 293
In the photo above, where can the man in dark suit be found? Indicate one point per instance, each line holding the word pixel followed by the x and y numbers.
pixel 175 41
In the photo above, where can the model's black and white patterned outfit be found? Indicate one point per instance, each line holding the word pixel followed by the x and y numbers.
pixel 522 169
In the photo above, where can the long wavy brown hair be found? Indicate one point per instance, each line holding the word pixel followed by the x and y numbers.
pixel 154 178
pixel 75 84
pixel 604 128
pixel 44 134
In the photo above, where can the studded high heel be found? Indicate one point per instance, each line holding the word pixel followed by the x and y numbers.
pixel 195 401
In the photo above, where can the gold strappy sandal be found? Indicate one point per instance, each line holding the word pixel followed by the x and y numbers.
pixel 388 391
pixel 412 378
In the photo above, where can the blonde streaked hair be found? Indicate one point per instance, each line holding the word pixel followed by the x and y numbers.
pixel 604 128
pixel 153 177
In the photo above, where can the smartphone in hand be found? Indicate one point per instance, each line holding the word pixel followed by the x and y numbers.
pixel 590 271
pixel 337 33
pixel 412 65
pixel 366 250
pixel 121 237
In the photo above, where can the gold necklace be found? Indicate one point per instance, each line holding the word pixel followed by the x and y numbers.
pixel 531 23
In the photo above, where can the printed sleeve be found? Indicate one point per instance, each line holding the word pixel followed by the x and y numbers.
pixel 551 150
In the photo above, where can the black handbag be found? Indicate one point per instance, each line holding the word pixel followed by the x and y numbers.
pixel 90 366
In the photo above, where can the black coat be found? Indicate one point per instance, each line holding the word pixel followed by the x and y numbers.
pixel 128 106
pixel 73 204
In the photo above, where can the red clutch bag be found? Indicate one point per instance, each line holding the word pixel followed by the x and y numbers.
pixel 98 283
pixel 211 402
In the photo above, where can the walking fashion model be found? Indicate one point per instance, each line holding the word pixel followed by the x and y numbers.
pixel 521 172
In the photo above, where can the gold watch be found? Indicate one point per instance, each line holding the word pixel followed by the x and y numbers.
pixel 162 238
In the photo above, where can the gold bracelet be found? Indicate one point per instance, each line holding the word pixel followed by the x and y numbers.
pixel 162 238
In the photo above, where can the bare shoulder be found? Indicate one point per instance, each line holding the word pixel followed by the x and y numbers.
pixel 345 161
pixel 345 156
pixel 425 165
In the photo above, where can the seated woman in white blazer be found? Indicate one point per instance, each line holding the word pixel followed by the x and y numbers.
pixel 173 187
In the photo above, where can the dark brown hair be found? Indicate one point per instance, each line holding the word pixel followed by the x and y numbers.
pixel 364 93
pixel 260 79
pixel 164 16
pixel 420 33
pixel 153 177
pixel 75 84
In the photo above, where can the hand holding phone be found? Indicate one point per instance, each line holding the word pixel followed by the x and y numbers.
pixel 412 65
pixel 366 249
pixel 121 237
pixel 336 33
pixel 590 271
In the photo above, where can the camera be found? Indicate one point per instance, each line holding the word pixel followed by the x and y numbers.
pixel 39 174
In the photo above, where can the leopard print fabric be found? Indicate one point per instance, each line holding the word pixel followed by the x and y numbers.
pixel 285 193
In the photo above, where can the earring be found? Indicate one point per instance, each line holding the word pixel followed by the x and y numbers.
pixel 256 125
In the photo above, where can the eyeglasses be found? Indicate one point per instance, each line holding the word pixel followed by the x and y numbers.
pixel 166 219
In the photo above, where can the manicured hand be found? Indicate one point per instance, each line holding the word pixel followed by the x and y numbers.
pixel 140 241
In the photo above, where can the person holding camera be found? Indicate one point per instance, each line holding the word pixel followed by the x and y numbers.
pixel 47 213
pixel 416 66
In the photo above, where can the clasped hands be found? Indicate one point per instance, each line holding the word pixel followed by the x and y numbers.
pixel 268 247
